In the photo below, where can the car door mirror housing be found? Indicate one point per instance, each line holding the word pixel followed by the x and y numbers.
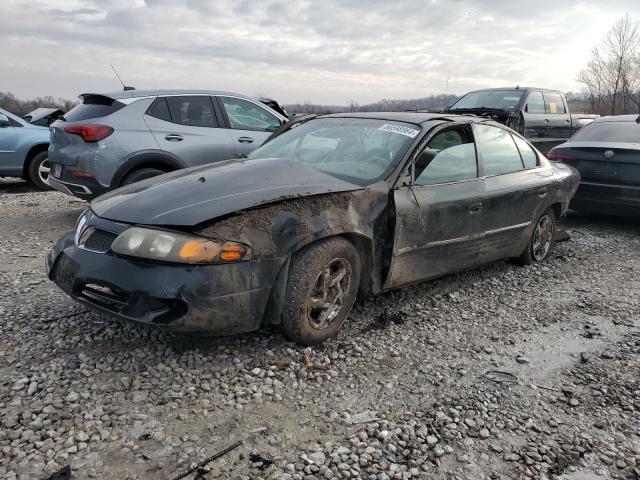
pixel 4 120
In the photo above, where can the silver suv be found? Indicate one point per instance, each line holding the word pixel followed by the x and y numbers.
pixel 110 140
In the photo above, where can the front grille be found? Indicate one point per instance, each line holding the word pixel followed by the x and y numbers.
pixel 98 240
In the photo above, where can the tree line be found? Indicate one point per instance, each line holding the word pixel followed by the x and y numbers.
pixel 612 76
pixel 430 103
pixel 11 103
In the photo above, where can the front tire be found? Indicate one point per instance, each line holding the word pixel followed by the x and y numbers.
pixel 322 288
pixel 38 170
pixel 541 241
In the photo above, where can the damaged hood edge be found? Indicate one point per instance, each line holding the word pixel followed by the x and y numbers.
pixel 200 194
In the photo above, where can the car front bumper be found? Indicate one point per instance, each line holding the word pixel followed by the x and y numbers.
pixel 609 199
pixel 216 299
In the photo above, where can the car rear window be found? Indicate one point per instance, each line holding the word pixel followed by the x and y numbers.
pixel 93 106
pixel 609 132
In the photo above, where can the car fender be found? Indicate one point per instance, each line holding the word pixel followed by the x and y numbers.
pixel 286 228
pixel 150 158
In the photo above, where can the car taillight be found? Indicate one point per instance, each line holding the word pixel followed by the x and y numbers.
pixel 89 133
pixel 560 157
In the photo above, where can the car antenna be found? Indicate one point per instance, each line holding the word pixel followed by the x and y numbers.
pixel 124 87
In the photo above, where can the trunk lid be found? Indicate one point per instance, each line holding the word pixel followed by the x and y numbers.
pixel 611 163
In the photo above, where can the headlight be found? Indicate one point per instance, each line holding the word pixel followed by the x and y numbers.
pixel 80 224
pixel 176 247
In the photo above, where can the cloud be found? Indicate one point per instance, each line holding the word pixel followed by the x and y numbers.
pixel 328 51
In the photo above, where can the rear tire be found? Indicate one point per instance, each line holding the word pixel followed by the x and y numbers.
pixel 322 287
pixel 140 174
pixel 38 170
pixel 541 241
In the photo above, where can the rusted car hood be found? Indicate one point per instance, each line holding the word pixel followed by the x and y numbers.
pixel 195 195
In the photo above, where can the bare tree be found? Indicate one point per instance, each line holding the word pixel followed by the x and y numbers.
pixel 632 81
pixel 610 72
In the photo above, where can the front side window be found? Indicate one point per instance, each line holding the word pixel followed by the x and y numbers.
pixel 498 150
pixel 354 149
pixel 554 103
pixel 246 115
pixel 448 157
pixel 193 111
pixel 535 103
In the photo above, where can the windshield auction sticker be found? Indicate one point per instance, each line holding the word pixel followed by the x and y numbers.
pixel 406 131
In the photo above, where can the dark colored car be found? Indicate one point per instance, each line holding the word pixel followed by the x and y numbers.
pixel 329 208
pixel 607 155
pixel 540 114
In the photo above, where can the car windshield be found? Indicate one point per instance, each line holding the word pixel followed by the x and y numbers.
pixel 502 99
pixel 356 150
pixel 608 132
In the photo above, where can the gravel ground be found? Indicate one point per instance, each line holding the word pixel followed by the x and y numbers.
pixel 501 372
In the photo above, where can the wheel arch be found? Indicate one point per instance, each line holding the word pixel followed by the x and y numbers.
pixel 160 161
pixel 557 209
pixel 31 153
pixel 364 248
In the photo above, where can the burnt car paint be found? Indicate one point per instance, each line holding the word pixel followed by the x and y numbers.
pixel 382 220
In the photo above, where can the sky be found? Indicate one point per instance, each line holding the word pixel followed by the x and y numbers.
pixel 328 51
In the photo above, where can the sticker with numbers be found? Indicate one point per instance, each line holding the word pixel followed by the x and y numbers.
pixel 402 130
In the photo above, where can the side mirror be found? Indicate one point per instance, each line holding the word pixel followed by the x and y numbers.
pixel 4 120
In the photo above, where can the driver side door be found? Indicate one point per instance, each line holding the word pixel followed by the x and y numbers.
pixel 439 227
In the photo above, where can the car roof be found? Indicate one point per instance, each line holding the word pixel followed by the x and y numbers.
pixel 416 118
pixel 618 118
pixel 122 94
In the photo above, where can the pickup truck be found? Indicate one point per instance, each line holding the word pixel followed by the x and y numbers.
pixel 540 114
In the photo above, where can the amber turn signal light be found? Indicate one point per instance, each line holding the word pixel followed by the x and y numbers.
pixel 199 251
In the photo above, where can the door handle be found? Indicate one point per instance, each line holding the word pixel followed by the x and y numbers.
pixel 475 208
pixel 546 120
pixel 568 120
pixel 174 137
pixel 245 140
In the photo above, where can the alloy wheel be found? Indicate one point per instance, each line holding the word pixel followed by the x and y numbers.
pixel 44 170
pixel 326 296
pixel 542 238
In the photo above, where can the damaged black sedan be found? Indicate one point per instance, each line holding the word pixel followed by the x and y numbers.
pixel 330 208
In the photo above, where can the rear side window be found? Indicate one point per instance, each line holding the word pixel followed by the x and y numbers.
pixel 622 132
pixel 529 157
pixel 160 109
pixel 499 152
pixel 93 106
pixel 535 103
pixel 554 103
pixel 193 111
